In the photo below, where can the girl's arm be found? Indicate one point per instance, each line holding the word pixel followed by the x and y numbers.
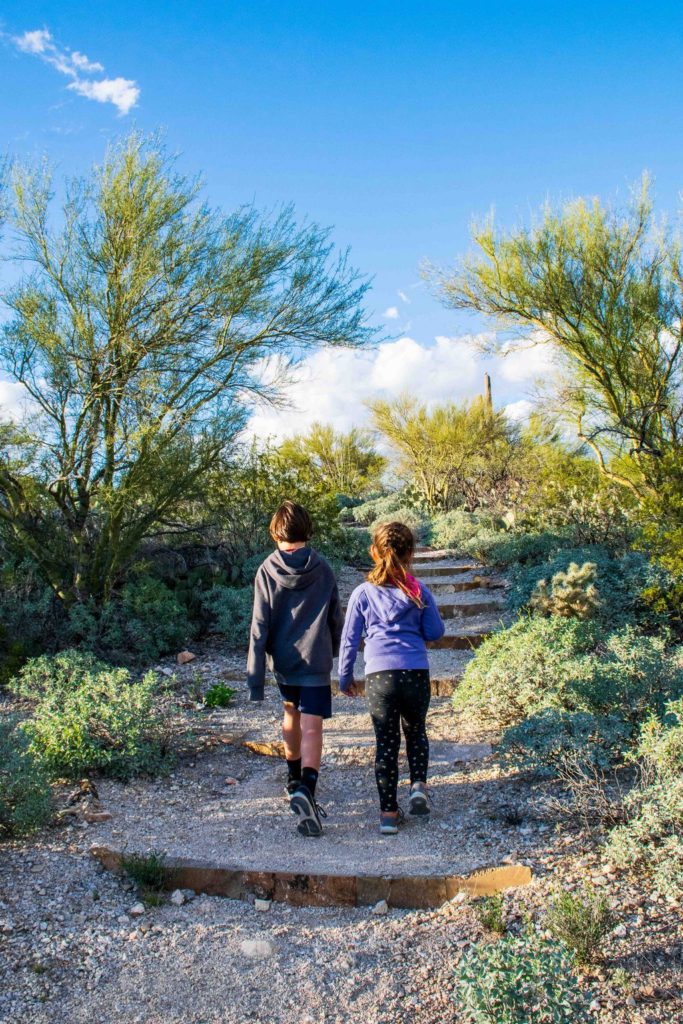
pixel 431 623
pixel 258 639
pixel 352 634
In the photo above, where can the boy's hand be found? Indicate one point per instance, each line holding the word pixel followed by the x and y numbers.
pixel 351 690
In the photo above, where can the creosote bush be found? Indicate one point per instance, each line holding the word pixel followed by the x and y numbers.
pixel 581 921
pixel 92 717
pixel 520 980
pixel 25 799
pixel 651 840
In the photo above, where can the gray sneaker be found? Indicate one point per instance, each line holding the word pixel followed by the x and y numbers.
pixel 389 822
pixel 307 811
pixel 418 801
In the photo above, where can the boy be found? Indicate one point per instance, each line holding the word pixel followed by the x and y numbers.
pixel 296 627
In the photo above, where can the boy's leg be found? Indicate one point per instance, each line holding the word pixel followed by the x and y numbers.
pixel 381 695
pixel 311 750
pixel 291 735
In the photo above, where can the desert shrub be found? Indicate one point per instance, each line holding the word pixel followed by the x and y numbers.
pixel 143 622
pixel 150 871
pixel 570 594
pixel 219 696
pixel 55 675
pixel 520 980
pixel 651 840
pixel 581 921
pixel 507 547
pixel 25 800
pixel 619 581
pixel 385 505
pixel 557 687
pixel 345 547
pixel 524 669
pixel 552 738
pixel 455 529
pixel 412 518
pixel 229 610
pixel 489 910
pixel 95 719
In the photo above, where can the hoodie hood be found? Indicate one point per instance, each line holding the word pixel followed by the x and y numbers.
pixel 390 604
pixel 294 570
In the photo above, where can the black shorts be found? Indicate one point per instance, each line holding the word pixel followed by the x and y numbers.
pixel 309 700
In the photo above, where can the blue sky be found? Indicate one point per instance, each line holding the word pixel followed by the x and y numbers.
pixel 396 123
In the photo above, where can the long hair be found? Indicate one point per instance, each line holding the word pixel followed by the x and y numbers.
pixel 394 547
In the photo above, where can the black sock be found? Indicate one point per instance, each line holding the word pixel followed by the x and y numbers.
pixel 294 770
pixel 309 777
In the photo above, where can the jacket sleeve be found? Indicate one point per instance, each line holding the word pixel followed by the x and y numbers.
pixel 335 619
pixel 258 639
pixel 431 623
pixel 352 634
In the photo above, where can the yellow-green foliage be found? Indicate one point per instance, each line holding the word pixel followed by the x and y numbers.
pixel 571 594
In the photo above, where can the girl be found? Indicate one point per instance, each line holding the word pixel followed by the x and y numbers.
pixel 395 614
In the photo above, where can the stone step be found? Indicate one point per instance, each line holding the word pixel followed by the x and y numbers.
pixel 468 609
pixel 427 571
pixel 459 585
pixel 326 890
pixel 446 668
pixel 427 556
pixel 467 636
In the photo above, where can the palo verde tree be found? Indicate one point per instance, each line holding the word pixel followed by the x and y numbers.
pixel 605 289
pixel 142 327
pixel 347 463
pixel 453 455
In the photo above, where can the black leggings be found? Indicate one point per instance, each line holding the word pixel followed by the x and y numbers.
pixel 398 697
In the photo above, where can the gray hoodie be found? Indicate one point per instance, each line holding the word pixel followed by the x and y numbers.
pixel 297 621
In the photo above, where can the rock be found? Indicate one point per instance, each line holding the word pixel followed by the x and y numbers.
pixel 460 897
pixel 6 927
pixel 93 817
pixel 620 931
pixel 256 948
pixel 262 905
pixel 232 782
pixel 631 1002
pixel 184 657
pixel 167 672
pixel 137 910
pixel 177 898
pixel 380 909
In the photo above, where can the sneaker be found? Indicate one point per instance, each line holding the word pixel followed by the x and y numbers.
pixel 307 811
pixel 418 801
pixel 389 822
pixel 291 786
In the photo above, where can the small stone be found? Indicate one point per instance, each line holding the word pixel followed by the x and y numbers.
pixel 460 897
pixel 184 657
pixel 256 948
pixel 137 910
pixel 177 898
pixel 232 782
pixel 167 672
pixel 262 905
pixel 380 909
pixel 6 927
pixel 620 931
pixel 93 817
pixel 631 1002
pixel 594 1006
pixel 122 919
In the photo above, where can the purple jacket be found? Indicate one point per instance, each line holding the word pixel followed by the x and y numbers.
pixel 393 627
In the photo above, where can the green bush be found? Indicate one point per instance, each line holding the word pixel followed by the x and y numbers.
pixel 55 675
pixel 551 739
pixel 558 686
pixel 417 522
pixel 25 799
pixel 229 610
pixel 150 871
pixel 619 581
pixel 219 696
pixel 458 530
pixel 348 546
pixel 507 547
pixel 93 719
pixel 386 505
pixel 651 840
pixel 524 669
pixel 490 913
pixel 519 980
pixel 581 921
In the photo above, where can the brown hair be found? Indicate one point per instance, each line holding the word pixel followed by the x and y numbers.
pixel 291 523
pixel 393 547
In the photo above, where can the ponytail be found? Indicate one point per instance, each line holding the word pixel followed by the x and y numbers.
pixel 393 546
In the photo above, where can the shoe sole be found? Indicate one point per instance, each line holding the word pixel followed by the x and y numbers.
pixel 308 824
pixel 419 805
pixel 388 830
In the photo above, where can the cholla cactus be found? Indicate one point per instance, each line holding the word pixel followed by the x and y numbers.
pixel 571 594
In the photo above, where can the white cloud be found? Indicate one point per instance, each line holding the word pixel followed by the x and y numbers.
pixel 527 363
pixel 391 313
pixel 520 410
pixel 332 385
pixel 13 400
pixel 402 296
pixel 34 42
pixel 123 93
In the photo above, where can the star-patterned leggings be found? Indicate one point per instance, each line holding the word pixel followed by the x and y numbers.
pixel 398 697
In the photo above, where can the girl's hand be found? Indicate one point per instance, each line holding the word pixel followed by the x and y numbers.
pixel 351 690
